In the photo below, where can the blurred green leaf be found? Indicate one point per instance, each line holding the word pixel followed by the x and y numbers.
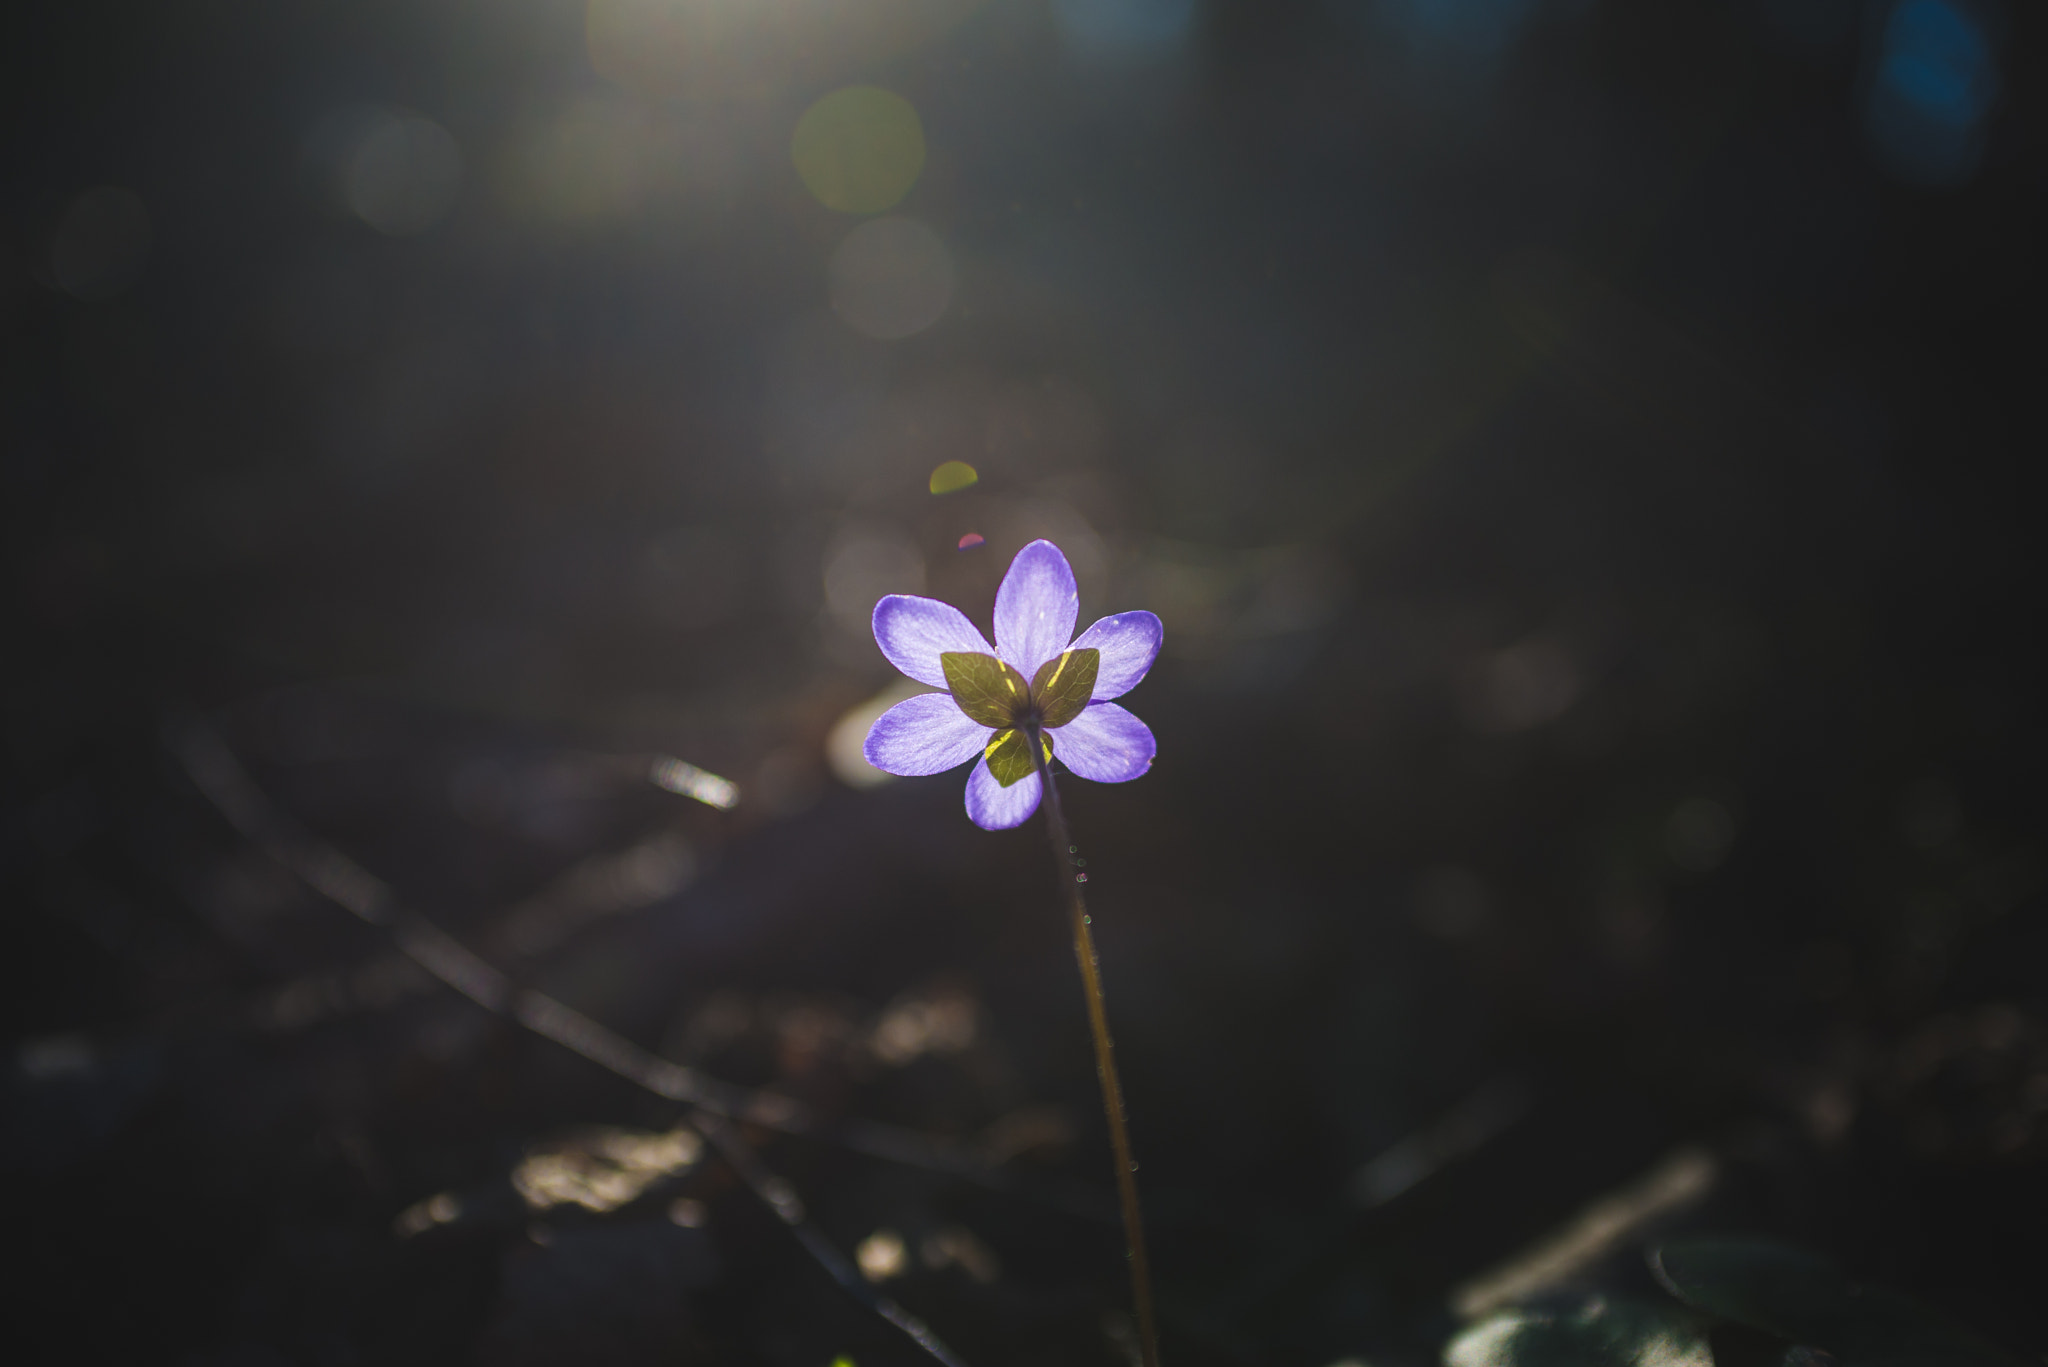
pixel 1598 1332
pixel 987 689
pixel 1009 755
pixel 1064 685
pixel 1807 1298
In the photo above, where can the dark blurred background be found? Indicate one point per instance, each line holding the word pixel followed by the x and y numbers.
pixel 1586 457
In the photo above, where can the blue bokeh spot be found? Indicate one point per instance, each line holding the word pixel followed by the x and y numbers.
pixel 1932 91
pixel 1124 29
pixel 1937 59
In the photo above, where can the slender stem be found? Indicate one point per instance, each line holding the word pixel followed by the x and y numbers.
pixel 1105 1060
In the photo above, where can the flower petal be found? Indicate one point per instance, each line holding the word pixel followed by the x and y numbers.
pixel 1036 607
pixel 927 734
pixel 993 807
pixel 1105 743
pixel 914 632
pixel 1129 642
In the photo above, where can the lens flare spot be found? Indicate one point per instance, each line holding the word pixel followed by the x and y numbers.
pixel 971 540
pixel 859 150
pixel 954 476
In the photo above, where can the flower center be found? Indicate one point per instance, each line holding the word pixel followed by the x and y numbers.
pixel 993 693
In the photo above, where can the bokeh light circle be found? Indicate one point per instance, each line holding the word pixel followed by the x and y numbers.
pixel 99 245
pixel 859 150
pixel 400 173
pixel 703 50
pixel 1124 30
pixel 891 278
pixel 863 562
pixel 592 162
pixel 1935 85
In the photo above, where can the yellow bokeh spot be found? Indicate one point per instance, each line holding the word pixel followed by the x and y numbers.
pixel 754 49
pixel 859 150
pixel 953 476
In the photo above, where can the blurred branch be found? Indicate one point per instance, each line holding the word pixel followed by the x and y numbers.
pixel 780 1197
pixel 1465 1129
pixel 1681 1179
pixel 220 776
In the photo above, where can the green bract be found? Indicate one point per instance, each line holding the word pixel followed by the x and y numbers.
pixel 1064 684
pixel 1009 755
pixel 993 693
pixel 987 689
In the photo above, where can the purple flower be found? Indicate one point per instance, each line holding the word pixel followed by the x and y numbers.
pixel 1034 682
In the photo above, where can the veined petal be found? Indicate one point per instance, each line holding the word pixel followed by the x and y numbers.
pixel 1036 607
pixel 1105 743
pixel 914 632
pixel 1128 642
pixel 993 807
pixel 927 734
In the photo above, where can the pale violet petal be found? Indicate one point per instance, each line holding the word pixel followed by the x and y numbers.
pixel 1129 642
pixel 1036 607
pixel 914 632
pixel 993 807
pixel 1105 743
pixel 927 734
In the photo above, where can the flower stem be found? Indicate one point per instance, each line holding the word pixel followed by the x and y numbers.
pixel 1105 1061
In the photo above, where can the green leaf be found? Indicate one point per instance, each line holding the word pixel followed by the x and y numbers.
pixel 1009 755
pixel 987 690
pixel 1064 685
pixel 1597 1332
pixel 1807 1298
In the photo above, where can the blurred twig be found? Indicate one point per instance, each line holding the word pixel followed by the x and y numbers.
pixel 1682 1178
pixel 780 1197
pixel 1464 1129
pixel 220 776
